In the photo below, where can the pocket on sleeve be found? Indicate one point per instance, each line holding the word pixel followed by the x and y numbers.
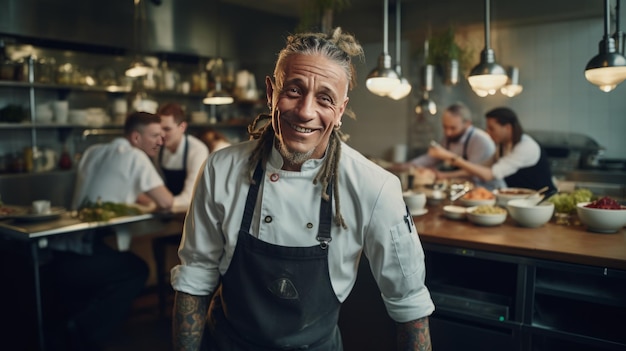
pixel 404 244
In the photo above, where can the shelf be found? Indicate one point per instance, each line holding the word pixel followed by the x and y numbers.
pixel 97 89
pixel 583 287
pixel 221 125
pixel 580 318
pixel 119 90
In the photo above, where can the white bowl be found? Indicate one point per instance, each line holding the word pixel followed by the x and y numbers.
pixel 504 195
pixel 601 220
pixel 415 201
pixel 529 214
pixel 454 212
pixel 491 219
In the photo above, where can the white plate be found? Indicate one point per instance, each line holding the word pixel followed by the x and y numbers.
pixel 55 212
pixel 418 212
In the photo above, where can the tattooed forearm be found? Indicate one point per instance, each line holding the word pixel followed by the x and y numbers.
pixel 414 335
pixel 188 321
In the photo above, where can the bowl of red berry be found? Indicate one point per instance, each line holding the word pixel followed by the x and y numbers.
pixel 604 215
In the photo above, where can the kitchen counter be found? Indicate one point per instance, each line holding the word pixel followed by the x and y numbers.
pixel 572 244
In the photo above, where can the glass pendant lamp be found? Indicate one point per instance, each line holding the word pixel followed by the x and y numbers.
pixel 138 67
pixel 608 68
pixel 404 88
pixel 488 76
pixel 512 87
pixel 217 96
pixel 383 79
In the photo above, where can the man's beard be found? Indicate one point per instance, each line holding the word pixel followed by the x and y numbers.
pixel 294 157
pixel 455 138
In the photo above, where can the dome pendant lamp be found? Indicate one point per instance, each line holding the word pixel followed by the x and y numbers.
pixel 608 68
pixel 217 96
pixel 402 90
pixel 382 80
pixel 488 76
pixel 138 67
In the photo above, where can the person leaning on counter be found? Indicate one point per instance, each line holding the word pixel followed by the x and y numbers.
pixel 459 137
pixel 182 155
pixel 519 160
pixel 277 225
pixel 96 283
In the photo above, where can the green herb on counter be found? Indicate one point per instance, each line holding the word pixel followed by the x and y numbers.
pixel 566 202
pixel 103 211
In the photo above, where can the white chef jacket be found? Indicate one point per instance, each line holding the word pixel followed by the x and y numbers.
pixel 524 154
pixel 287 214
pixel 196 155
pixel 116 172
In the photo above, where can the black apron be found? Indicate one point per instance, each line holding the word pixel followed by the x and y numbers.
pixel 534 177
pixel 175 178
pixel 447 167
pixel 276 297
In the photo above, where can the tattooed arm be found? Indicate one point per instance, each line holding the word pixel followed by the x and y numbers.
pixel 414 335
pixel 188 321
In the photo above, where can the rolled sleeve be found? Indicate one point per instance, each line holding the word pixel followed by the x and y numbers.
pixel 194 280
pixel 411 307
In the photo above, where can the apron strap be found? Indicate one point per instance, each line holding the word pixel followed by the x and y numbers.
pixel 253 193
pixel 326 207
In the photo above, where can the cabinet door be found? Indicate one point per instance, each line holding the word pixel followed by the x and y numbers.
pixel 453 335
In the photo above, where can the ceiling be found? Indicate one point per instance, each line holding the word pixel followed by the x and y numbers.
pixel 445 12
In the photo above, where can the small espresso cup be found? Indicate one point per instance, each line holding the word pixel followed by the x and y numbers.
pixel 415 201
pixel 41 206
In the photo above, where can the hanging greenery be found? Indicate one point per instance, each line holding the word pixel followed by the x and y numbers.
pixel 443 48
pixel 318 14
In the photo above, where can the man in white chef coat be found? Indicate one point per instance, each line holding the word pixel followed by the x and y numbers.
pixel 181 156
pixel 277 225
pixel 95 282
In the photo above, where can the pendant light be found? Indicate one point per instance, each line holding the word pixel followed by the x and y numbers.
pixel 404 88
pixel 217 96
pixel 608 68
pixel 618 36
pixel 383 79
pixel 488 76
pixel 138 67
pixel 512 87
pixel 425 106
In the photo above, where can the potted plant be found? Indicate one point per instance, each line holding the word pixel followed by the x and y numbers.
pixel 447 56
pixel 320 12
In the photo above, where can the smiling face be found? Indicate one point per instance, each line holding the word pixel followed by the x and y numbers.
pixel 306 106
pixel 172 131
pixel 149 139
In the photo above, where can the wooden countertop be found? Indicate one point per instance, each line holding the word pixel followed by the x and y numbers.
pixel 572 244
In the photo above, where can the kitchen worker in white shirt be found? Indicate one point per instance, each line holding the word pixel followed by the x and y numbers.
pixel 95 282
pixel 461 138
pixel 182 155
pixel 519 161
pixel 277 225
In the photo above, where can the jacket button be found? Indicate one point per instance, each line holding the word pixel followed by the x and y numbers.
pixel 309 225
pixel 268 219
pixel 274 177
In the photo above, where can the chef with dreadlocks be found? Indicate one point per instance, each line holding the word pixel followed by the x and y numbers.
pixel 277 225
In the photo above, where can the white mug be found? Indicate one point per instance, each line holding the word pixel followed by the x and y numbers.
pixel 41 206
pixel 60 109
